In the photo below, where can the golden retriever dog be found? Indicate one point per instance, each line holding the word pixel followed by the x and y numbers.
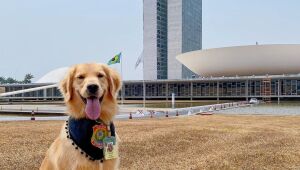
pixel 86 139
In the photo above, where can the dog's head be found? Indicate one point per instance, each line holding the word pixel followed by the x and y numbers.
pixel 90 90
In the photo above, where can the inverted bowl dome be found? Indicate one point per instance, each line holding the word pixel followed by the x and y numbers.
pixel 244 60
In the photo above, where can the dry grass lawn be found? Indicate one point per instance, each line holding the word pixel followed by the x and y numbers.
pixel 198 142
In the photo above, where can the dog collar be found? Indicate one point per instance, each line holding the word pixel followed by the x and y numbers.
pixel 87 136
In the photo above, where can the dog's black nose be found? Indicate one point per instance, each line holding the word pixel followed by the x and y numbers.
pixel 92 88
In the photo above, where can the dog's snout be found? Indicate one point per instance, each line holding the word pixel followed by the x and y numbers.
pixel 92 88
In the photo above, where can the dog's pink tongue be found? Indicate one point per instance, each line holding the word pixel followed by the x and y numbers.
pixel 92 108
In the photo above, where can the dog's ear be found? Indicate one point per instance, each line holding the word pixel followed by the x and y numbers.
pixel 66 84
pixel 114 81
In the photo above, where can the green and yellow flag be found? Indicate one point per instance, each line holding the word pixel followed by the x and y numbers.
pixel 115 59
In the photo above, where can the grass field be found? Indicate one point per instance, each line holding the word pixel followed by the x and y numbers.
pixel 197 142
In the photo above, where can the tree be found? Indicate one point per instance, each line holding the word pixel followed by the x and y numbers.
pixel 27 78
pixel 2 80
pixel 10 80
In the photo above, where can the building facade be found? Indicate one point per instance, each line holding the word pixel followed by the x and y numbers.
pixel 229 88
pixel 171 27
pixel 184 34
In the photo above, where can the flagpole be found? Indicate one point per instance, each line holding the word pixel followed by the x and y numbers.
pixel 141 58
pixel 122 90
pixel 144 92
pixel 144 85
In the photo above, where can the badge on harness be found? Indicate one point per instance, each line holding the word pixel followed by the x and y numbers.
pixel 110 150
pixel 99 133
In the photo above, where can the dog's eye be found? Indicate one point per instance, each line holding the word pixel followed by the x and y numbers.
pixel 100 75
pixel 80 77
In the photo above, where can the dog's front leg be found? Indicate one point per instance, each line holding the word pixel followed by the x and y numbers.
pixel 112 164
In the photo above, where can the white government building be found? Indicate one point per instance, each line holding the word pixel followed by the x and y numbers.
pixel 261 71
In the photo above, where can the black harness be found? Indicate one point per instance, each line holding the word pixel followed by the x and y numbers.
pixel 80 132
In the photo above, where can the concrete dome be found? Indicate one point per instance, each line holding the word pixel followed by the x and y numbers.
pixel 54 76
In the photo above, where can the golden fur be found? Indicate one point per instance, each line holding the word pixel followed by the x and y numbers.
pixel 61 155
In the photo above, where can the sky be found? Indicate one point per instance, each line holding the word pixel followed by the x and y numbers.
pixel 39 36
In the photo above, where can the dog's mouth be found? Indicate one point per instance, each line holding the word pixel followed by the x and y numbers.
pixel 92 106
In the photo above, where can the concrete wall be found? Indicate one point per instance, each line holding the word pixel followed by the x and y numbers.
pixel 150 40
pixel 174 38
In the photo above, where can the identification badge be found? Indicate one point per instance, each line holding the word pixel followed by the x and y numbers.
pixel 99 133
pixel 110 150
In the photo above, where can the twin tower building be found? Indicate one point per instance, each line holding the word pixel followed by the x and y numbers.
pixel 171 27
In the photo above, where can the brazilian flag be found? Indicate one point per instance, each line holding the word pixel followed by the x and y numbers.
pixel 115 59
